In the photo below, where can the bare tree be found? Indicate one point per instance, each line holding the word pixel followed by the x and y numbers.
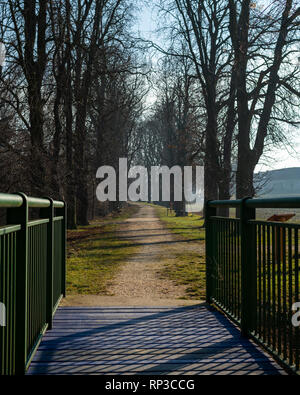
pixel 203 26
pixel 173 131
pixel 29 32
pixel 263 45
pixel 54 49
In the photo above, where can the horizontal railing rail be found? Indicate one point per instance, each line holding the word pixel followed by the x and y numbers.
pixel 10 201
pixel 32 276
pixel 253 274
pixel 287 202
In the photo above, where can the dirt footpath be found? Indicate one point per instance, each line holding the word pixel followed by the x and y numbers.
pixel 139 282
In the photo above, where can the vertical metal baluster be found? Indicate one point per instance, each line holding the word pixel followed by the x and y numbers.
pixel 221 264
pixel 14 303
pixel 214 271
pixel 264 284
pixel 279 279
pixel 5 303
pixel 226 263
pixel 269 285
pixel 239 269
pixel 219 260
pixel 273 304
pixel 11 288
pixel 232 267
pixel 258 329
pixel 284 307
pixel 20 216
pixel 296 342
pixel 290 293
pixel 2 282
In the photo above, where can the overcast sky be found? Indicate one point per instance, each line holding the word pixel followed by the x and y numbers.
pixel 277 158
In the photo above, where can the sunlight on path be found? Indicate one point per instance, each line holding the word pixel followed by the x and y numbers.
pixel 139 277
pixel 140 282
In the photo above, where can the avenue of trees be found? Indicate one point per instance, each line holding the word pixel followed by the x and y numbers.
pixel 71 91
pixel 77 80
pixel 244 59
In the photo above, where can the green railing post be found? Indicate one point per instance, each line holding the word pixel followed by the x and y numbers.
pixel 20 216
pixel 209 212
pixel 49 214
pixel 248 269
pixel 63 212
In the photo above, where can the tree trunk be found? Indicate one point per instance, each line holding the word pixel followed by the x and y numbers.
pixel 68 99
pixel 34 62
pixel 37 170
pixel 224 194
pixel 82 201
pixel 211 167
pixel 55 188
pixel 244 178
pixel 225 174
pixel 81 163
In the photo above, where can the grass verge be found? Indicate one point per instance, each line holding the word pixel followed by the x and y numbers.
pixel 95 254
pixel 186 266
pixel 187 269
pixel 187 227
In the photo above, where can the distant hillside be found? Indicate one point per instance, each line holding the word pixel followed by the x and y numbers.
pixel 277 183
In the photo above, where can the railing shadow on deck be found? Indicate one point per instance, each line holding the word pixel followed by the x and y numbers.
pixel 217 336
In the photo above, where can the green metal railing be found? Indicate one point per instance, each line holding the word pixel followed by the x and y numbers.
pixel 253 273
pixel 32 276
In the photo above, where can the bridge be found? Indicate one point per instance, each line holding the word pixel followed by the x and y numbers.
pixel 245 327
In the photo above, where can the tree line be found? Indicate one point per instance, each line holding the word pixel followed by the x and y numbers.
pixel 75 93
pixel 242 66
pixel 72 87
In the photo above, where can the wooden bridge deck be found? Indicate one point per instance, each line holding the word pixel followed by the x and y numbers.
pixel 112 340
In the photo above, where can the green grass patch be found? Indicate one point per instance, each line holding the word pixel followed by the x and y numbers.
pixel 188 227
pixel 95 253
pixel 188 269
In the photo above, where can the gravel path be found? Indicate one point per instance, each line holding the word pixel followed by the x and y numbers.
pixel 139 277
pixel 139 281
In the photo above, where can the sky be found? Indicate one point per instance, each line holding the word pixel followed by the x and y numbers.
pixel 146 20
pixel 276 158
pixel 282 158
